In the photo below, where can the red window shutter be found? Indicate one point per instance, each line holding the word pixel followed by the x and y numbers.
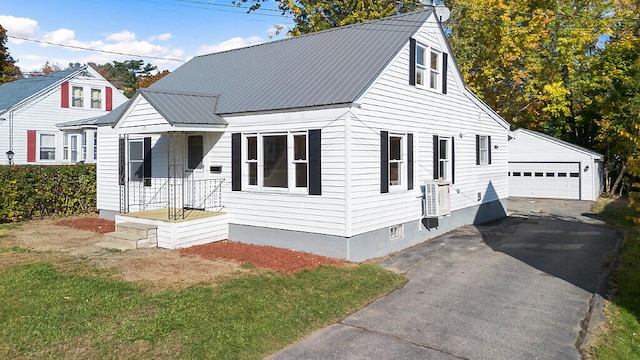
pixel 64 98
pixel 31 146
pixel 108 98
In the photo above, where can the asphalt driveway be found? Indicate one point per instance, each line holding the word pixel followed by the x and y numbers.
pixel 519 288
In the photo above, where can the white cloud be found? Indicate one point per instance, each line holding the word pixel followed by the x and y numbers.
pixel 233 43
pixel 60 36
pixel 161 37
pixel 19 26
pixel 124 36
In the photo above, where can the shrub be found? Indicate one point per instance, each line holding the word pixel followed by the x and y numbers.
pixel 32 191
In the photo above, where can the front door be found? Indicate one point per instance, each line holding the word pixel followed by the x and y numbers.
pixel 194 173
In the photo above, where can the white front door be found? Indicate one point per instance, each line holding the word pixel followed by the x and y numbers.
pixel 74 141
pixel 194 173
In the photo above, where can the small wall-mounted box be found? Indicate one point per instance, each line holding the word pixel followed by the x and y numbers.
pixel 215 169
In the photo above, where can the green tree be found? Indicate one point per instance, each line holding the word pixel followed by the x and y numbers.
pixel 125 75
pixel 315 15
pixel 9 71
pixel 531 60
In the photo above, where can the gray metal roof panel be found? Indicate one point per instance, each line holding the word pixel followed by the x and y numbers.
pixel 14 92
pixel 323 68
pixel 113 116
pixel 184 108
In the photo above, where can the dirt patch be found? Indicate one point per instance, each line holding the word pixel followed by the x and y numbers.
pixel 158 268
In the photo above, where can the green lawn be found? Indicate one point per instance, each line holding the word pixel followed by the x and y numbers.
pixel 80 313
pixel 622 341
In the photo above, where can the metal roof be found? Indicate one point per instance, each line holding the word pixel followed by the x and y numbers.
pixel 14 92
pixel 324 68
pixel 184 108
pixel 559 141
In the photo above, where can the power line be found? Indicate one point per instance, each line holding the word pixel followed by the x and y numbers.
pixel 95 50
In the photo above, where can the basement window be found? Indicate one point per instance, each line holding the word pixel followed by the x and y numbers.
pixel 395 232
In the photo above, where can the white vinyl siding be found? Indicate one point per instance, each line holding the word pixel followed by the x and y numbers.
pixel 44 112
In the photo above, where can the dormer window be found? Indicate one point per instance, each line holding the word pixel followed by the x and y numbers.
pixel 427 67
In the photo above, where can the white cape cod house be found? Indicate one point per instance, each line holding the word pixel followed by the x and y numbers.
pixel 48 119
pixel 353 143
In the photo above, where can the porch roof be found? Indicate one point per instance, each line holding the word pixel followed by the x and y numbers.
pixel 184 108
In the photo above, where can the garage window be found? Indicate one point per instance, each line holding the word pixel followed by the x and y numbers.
pixel 538 174
pixel 516 173
pixel 551 174
pixel 527 174
pixel 562 174
pixel 574 175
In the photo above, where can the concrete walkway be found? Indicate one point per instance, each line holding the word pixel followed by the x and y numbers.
pixel 519 288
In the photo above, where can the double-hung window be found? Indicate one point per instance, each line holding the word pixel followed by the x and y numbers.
pixel 443 158
pixel 483 150
pixel 421 64
pixel 276 160
pixel 396 160
pixel 434 69
pixel 427 67
pixel 47 147
pixel 77 97
pixel 96 99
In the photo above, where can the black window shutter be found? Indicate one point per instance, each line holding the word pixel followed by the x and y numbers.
pixel 489 148
pixel 444 72
pixel 412 61
pixel 236 162
pixel 315 162
pixel 384 162
pixel 122 161
pixel 453 161
pixel 477 149
pixel 146 167
pixel 436 158
pixel 409 161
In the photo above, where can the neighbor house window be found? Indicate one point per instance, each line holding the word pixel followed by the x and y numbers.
pixel 77 97
pixel 73 148
pixel 95 146
pixel 395 160
pixel 47 147
pixel 434 69
pixel 136 160
pixel 96 99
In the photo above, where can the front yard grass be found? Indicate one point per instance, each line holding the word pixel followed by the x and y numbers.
pixel 49 311
pixel 622 337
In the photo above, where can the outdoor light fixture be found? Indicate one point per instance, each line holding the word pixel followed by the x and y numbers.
pixel 10 156
pixel 586 168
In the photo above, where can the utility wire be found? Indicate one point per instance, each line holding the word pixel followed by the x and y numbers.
pixel 90 49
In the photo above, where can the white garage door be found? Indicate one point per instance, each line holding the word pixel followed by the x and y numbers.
pixel 544 180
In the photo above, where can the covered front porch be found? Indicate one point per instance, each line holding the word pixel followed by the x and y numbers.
pixel 165 175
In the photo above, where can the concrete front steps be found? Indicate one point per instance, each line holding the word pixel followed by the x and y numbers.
pixel 129 235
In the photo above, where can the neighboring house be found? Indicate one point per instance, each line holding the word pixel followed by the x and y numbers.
pixel 542 166
pixel 31 108
pixel 325 143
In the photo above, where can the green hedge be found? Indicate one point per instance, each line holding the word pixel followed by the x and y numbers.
pixel 31 191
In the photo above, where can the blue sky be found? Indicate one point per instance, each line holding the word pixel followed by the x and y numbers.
pixel 146 29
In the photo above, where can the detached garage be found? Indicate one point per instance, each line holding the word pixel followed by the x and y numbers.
pixel 542 166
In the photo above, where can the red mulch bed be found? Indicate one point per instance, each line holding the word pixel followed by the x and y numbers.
pixel 101 226
pixel 264 257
